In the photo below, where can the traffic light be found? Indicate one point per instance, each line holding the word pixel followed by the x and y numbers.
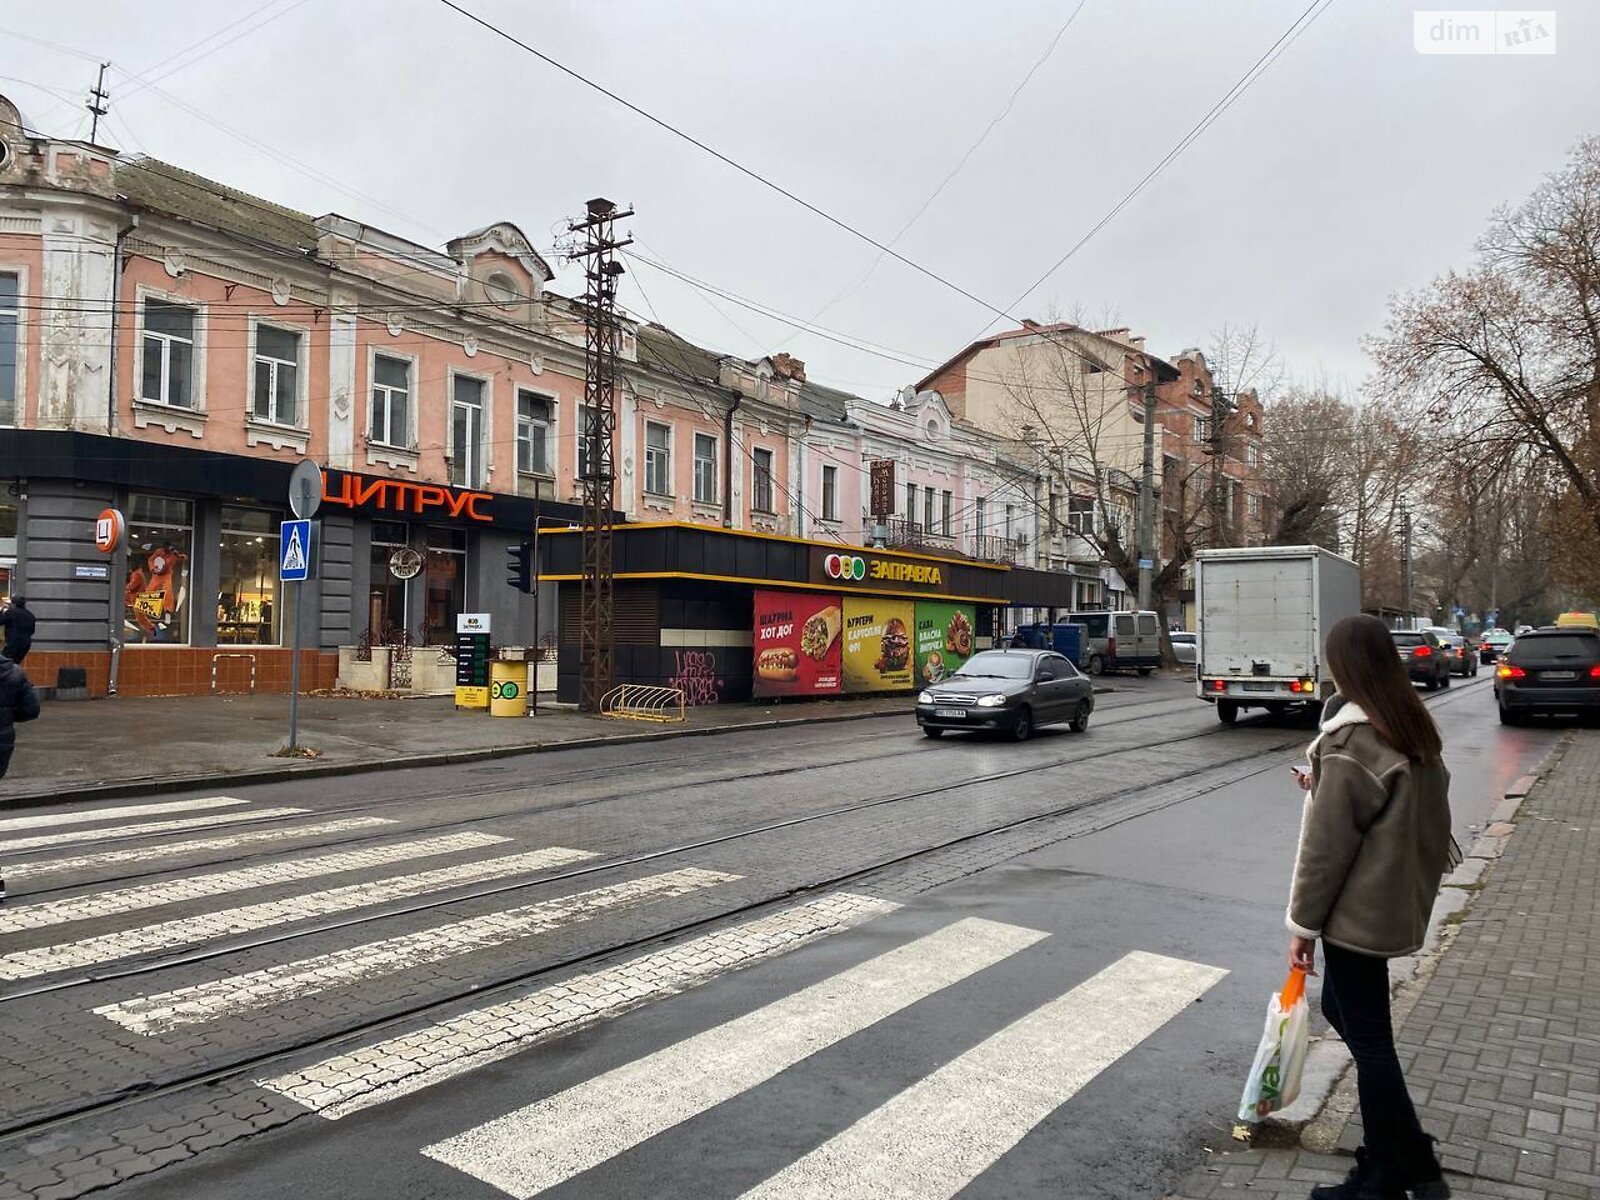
pixel 519 563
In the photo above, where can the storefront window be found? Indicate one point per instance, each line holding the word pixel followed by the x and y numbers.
pixel 247 602
pixel 160 543
pixel 446 584
pixel 386 593
pixel 8 549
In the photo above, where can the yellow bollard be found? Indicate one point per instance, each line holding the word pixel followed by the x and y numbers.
pixel 508 689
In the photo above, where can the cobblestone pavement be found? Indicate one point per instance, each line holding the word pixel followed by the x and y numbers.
pixel 1502 1048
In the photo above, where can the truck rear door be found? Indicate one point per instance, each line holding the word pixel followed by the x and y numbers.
pixel 1257 613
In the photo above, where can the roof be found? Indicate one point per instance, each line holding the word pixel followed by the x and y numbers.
pixel 664 350
pixel 161 187
pixel 1034 329
pixel 818 400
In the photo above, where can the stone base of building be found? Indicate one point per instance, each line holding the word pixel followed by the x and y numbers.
pixel 187 670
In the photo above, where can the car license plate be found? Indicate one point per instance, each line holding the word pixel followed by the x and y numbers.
pixel 1558 674
pixel 955 714
pixel 1260 687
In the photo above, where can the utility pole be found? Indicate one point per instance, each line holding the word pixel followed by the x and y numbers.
pixel 97 105
pixel 1405 559
pixel 1147 497
pixel 601 335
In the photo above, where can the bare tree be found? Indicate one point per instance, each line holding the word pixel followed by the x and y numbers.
pixel 1306 460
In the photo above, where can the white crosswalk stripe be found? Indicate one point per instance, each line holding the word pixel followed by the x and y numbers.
pixel 145 829
pixel 538 1147
pixel 145 855
pixel 197 887
pixel 342 968
pixel 936 1137
pixel 350 1082
pixel 188 931
pixel 85 816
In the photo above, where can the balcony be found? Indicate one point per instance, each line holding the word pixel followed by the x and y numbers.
pixel 988 548
pixel 913 535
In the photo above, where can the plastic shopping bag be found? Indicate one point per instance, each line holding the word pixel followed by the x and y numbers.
pixel 1274 1081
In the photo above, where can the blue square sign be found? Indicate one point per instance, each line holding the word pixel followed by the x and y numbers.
pixel 294 552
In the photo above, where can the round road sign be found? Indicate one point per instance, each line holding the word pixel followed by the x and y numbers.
pixel 305 489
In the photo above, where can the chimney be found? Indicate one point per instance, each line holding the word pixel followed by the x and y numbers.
pixel 1030 323
pixel 789 367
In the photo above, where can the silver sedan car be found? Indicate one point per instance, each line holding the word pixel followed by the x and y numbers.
pixel 1185 647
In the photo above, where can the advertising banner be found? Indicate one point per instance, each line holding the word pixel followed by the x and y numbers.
pixel 944 639
pixel 877 644
pixel 797 645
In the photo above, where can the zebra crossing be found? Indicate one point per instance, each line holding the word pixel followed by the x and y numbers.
pixel 931 1138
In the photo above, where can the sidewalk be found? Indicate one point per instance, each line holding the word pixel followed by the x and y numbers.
pixel 1502 1047
pixel 101 748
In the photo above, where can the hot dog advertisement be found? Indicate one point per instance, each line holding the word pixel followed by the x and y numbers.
pixel 797 644
pixel 944 640
pixel 877 644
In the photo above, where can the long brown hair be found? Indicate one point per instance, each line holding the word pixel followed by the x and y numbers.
pixel 1367 671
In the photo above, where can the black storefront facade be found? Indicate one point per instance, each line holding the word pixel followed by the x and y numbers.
pixel 189 601
pixel 730 616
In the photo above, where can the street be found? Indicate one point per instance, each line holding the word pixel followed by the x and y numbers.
pixel 829 960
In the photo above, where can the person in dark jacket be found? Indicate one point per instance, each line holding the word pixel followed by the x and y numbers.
pixel 18 624
pixel 18 702
pixel 1374 845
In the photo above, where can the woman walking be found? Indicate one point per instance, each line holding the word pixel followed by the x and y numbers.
pixel 1374 844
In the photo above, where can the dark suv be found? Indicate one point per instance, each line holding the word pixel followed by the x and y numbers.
pixel 1549 671
pixel 1424 658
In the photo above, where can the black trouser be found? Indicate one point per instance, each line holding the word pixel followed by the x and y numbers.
pixel 5 759
pixel 17 651
pixel 1355 999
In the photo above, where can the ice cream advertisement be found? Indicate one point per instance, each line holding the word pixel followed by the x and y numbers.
pixel 877 644
pixel 798 639
pixel 943 640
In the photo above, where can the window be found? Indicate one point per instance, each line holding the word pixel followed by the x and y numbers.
pixel 466 431
pixel 9 355
pixel 830 493
pixel 386 591
pixel 761 480
pixel 156 596
pixel 533 433
pixel 927 509
pixel 1255 507
pixel 705 468
pixel 1202 429
pixel 8 549
pixel 247 591
pixel 585 416
pixel 657 459
pixel 1252 455
pixel 445 585
pixel 981 517
pixel 277 375
pixel 168 354
pixel 911 503
pixel 1010 514
pixel 1080 515
pixel 944 525
pixel 391 401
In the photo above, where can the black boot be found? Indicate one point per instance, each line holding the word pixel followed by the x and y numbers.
pixel 1367 1181
pixel 1422 1175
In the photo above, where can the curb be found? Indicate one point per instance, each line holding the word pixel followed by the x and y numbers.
pixel 160 786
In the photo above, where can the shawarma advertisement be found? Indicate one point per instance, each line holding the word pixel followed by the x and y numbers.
pixel 944 640
pixel 798 644
pixel 877 644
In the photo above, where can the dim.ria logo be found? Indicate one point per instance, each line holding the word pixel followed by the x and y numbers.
pixel 845 566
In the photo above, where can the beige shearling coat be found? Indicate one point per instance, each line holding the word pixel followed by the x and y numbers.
pixel 1374 842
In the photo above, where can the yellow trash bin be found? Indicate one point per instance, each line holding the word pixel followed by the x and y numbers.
pixel 508 689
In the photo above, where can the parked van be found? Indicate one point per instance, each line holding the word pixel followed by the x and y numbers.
pixel 1120 641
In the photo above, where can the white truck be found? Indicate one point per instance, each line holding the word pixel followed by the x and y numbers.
pixel 1262 616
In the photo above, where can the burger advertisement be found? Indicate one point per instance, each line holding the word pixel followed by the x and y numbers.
pixel 877 644
pixel 944 640
pixel 798 644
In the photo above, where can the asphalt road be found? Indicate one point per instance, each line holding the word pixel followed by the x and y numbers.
pixel 837 960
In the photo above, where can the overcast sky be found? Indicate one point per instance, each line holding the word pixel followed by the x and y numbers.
pixel 1353 168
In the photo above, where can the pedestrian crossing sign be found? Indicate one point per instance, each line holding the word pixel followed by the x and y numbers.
pixel 295 552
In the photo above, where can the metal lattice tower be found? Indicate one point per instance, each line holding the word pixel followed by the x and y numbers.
pixel 601 336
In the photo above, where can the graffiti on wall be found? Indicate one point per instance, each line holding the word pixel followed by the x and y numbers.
pixel 696 676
